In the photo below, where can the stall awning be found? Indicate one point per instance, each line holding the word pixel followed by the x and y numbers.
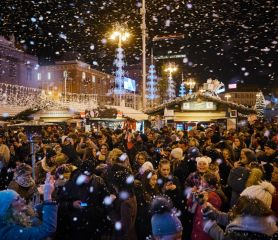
pixel 130 113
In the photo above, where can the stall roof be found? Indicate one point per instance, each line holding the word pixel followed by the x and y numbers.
pixel 130 112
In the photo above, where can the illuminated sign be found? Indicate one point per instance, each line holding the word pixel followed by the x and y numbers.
pixel 198 106
pixel 232 86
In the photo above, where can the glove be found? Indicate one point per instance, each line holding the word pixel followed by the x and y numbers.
pixel 209 212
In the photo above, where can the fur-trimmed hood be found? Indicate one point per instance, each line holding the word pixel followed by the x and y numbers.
pixel 264 225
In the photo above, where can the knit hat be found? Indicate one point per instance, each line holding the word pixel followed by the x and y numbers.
pixel 263 191
pixel 165 224
pixel 177 153
pixel 87 168
pixel 203 159
pixel 193 152
pixel 146 166
pixel 22 175
pixel 6 198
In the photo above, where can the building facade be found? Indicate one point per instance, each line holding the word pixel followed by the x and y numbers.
pixel 16 66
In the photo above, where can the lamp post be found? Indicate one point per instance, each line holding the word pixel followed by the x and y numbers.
pixel 121 35
pixel 144 71
pixel 170 69
pixel 191 83
pixel 65 74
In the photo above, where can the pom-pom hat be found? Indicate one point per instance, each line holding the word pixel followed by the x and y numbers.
pixel 203 159
pixel 263 191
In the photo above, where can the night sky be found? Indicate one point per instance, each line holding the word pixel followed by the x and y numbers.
pixel 231 40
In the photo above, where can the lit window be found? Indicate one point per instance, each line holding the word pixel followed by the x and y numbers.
pixel 39 76
pixel 83 75
pixel 93 79
pixel 49 75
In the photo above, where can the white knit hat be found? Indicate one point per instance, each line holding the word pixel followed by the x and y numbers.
pixel 263 191
pixel 177 153
pixel 146 166
pixel 203 159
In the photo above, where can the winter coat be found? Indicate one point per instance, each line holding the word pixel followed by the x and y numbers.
pixel 237 180
pixel 89 221
pixel 274 205
pixel 42 231
pixel 246 228
pixel 197 231
pixel 126 215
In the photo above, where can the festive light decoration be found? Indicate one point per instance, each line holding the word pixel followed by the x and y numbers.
pixel 260 104
pixel 36 99
pixel 171 91
pixel 213 87
pixel 182 91
pixel 119 78
pixel 152 84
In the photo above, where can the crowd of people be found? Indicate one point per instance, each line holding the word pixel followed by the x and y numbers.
pixel 201 184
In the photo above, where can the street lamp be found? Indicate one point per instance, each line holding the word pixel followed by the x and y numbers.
pixel 170 69
pixel 121 35
pixel 227 96
pixel 191 83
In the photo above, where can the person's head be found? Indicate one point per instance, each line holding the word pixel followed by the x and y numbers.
pixel 150 179
pixel 209 132
pixel 227 155
pixel 104 149
pixel 247 156
pixel 50 156
pixel 86 170
pixel 211 179
pixel 263 192
pixel 165 224
pixel 141 158
pixel 147 166
pixel 9 201
pixel 237 142
pixel 203 164
pixel 176 154
pixel 164 168
pixel 114 155
pixel 193 153
pixel 23 175
pixel 193 142
pixel 270 148
pixel 66 140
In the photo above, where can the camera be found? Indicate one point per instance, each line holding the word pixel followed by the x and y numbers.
pixel 199 198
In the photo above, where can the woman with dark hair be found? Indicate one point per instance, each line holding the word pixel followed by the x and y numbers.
pixel 250 218
pixel 237 146
pixel 149 189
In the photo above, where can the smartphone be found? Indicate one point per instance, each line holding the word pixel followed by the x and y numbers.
pixel 84 204
pixel 157 150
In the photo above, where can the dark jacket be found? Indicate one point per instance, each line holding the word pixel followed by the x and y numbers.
pixel 88 222
pixel 42 231
pixel 246 228
pixel 126 214
pixel 237 180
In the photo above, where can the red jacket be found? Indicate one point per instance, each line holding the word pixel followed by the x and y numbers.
pixel 197 231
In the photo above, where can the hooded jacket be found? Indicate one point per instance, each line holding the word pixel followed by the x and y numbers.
pixel 16 232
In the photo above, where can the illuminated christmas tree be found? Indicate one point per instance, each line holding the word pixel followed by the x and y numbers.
pixel 182 91
pixel 260 104
pixel 152 84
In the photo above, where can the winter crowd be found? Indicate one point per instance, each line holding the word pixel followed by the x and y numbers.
pixel 200 184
